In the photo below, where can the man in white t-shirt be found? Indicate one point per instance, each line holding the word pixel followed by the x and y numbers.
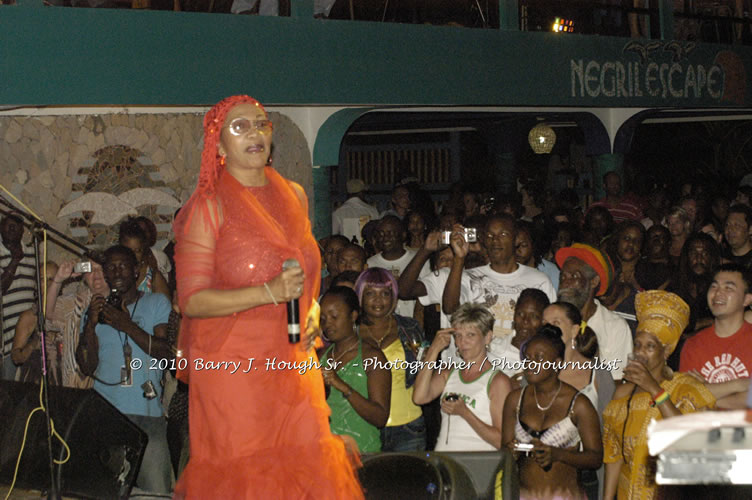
pixel 585 274
pixel 415 283
pixel 394 257
pixel 428 287
pixel 497 284
pixel 349 219
pixel 400 202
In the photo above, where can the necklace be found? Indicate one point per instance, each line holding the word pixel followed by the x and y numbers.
pixel 545 408
pixel 337 359
pixel 388 331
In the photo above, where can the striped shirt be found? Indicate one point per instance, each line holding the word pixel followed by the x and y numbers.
pixel 626 209
pixel 20 295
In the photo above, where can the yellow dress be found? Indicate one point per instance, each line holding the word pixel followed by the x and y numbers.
pixel 637 476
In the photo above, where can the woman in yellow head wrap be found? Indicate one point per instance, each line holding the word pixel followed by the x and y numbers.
pixel 650 391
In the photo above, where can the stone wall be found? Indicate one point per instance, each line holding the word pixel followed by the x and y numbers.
pixel 83 173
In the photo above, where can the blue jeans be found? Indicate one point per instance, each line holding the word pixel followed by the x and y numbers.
pixel 408 437
pixel 155 474
pixel 7 368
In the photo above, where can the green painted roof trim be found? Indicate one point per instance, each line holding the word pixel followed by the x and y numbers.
pixel 329 137
pixel 77 56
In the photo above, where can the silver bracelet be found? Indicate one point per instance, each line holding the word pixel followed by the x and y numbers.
pixel 271 294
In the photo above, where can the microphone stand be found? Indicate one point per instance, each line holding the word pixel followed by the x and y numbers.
pixel 36 226
pixel 53 493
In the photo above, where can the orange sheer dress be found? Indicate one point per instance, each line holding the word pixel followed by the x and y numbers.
pixel 258 433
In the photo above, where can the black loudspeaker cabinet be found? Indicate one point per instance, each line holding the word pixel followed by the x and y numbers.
pixel 106 448
pixel 440 475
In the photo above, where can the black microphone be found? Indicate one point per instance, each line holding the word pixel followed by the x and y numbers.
pixel 293 311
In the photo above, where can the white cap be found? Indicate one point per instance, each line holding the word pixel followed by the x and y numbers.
pixel 355 186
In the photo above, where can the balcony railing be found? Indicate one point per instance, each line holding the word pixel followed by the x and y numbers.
pixel 721 21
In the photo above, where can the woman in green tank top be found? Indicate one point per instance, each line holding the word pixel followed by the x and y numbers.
pixel 356 373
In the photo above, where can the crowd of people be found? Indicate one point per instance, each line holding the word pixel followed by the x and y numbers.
pixel 508 323
pixel 642 303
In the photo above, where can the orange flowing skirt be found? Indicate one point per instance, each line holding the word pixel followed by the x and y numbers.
pixel 260 428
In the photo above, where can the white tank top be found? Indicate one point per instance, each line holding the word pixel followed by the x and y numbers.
pixel 462 437
pixel 590 391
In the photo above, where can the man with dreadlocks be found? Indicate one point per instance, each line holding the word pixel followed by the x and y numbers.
pixel 255 431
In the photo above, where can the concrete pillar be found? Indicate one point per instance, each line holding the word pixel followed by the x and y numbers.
pixel 666 15
pixel 508 15
pixel 301 8
pixel 505 172
pixel 322 204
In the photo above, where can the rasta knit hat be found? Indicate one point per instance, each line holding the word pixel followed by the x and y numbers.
pixel 594 258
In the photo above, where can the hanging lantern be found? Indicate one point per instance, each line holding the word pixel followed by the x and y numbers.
pixel 542 138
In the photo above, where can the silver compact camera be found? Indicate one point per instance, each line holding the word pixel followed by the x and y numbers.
pixel 471 235
pixel 149 391
pixel 82 267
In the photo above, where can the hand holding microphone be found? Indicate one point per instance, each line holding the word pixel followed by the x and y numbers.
pixel 293 309
pixel 288 284
pixel 287 287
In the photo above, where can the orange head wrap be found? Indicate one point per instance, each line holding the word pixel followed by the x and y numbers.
pixel 213 121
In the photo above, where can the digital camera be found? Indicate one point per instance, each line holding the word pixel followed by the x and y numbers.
pixel 471 235
pixel 523 447
pixel 82 267
pixel 112 299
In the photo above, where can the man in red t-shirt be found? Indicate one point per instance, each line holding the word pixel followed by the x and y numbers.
pixel 621 207
pixel 722 352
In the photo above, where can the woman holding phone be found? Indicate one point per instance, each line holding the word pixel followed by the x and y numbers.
pixel 560 423
pixel 472 392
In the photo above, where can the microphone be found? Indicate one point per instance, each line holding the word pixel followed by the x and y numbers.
pixel 293 311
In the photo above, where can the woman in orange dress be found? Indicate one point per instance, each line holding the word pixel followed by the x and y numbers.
pixel 258 416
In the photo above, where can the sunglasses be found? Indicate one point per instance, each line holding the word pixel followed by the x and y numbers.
pixel 242 126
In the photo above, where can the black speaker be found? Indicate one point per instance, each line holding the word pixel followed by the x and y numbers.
pixel 106 448
pixel 440 475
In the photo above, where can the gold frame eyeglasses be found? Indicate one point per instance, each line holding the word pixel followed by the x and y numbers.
pixel 241 126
